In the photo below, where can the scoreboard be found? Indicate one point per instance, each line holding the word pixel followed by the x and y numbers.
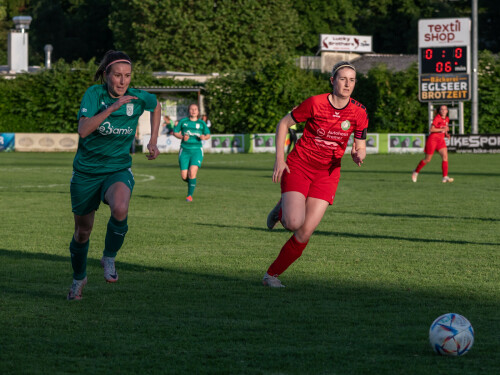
pixel 444 59
pixel 439 60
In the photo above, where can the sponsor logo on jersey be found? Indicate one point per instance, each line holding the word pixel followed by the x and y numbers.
pixel 130 109
pixel 106 129
pixel 345 125
pixel 321 132
pixel 336 114
pixel 84 110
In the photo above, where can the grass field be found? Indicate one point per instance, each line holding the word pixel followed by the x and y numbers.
pixel 387 259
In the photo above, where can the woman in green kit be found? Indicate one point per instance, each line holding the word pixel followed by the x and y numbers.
pixel 191 130
pixel 107 122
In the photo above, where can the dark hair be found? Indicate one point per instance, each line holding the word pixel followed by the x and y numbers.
pixel 340 65
pixel 109 58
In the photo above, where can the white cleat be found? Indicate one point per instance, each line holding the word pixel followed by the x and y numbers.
pixel 108 264
pixel 272 281
pixel 414 176
pixel 447 179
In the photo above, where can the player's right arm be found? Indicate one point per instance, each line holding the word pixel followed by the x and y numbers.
pixel 87 125
pixel 281 133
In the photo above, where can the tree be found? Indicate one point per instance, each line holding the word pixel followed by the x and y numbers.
pixel 323 17
pixel 205 36
pixel 77 29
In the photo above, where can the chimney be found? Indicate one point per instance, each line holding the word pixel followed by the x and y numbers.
pixel 18 45
pixel 48 53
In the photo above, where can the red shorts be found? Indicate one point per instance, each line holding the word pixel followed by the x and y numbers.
pixel 315 183
pixel 434 144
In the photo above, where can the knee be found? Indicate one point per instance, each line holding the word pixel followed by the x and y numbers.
pixel 303 235
pixel 292 223
pixel 120 211
pixel 82 233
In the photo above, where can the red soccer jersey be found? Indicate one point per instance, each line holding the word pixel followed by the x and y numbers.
pixel 440 123
pixel 327 130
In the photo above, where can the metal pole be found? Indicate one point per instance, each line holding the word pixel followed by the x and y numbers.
pixel 460 117
pixel 474 107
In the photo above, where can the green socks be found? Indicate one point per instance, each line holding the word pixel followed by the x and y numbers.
pixel 115 236
pixel 79 253
pixel 191 186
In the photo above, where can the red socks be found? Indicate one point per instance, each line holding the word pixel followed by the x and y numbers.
pixel 289 253
pixel 420 165
pixel 444 167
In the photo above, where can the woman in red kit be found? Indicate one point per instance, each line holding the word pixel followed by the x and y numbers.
pixel 435 141
pixel 311 173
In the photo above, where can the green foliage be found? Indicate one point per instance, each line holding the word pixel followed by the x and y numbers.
pixel 489 93
pixel 48 101
pixel 204 36
pixel 392 100
pixel 252 102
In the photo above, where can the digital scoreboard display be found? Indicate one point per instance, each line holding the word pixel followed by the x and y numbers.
pixel 442 60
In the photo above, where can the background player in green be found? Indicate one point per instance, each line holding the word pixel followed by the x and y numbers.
pixel 107 123
pixel 191 130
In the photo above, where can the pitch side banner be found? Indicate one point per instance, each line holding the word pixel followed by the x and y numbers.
pixel 7 141
pixel 372 143
pixel 169 143
pixel 228 143
pixel 474 143
pixel 444 87
pixel 351 43
pixel 406 143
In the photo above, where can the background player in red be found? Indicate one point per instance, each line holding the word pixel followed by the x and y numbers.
pixel 435 141
pixel 311 173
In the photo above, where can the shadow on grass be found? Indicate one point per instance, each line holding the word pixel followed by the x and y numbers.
pixel 360 235
pixel 420 216
pixel 210 323
pixel 408 172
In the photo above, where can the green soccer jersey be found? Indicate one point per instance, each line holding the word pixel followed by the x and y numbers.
pixel 195 129
pixel 107 148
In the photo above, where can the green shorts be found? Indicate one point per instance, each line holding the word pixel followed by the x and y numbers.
pixel 189 157
pixel 87 190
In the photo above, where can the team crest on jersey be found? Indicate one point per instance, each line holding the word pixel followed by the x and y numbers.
pixel 345 125
pixel 130 109
pixel 197 126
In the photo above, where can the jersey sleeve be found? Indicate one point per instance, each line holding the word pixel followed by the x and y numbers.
pixel 178 127
pixel 361 123
pixel 303 111
pixel 206 129
pixel 149 100
pixel 89 105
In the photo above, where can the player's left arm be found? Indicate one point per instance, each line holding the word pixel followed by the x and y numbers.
pixel 358 152
pixel 206 133
pixel 155 119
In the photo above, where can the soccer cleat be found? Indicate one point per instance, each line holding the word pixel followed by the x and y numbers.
pixel 272 281
pixel 108 263
pixel 414 176
pixel 273 216
pixel 447 179
pixel 75 291
pixel 189 198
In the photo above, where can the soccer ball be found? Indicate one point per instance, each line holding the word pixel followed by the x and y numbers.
pixel 451 334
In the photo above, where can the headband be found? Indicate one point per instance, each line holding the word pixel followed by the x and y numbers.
pixel 343 66
pixel 117 61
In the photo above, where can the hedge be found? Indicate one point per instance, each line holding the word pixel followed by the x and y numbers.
pixel 243 102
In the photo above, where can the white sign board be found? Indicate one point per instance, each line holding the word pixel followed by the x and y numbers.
pixel 345 43
pixel 442 32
